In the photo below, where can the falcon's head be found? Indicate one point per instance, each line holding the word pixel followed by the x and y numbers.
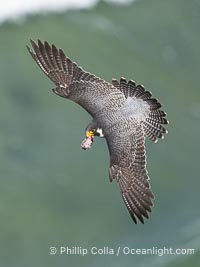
pixel 90 132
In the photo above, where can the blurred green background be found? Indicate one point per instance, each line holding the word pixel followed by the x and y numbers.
pixel 54 194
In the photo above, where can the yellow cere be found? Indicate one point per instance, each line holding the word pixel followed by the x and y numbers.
pixel 89 133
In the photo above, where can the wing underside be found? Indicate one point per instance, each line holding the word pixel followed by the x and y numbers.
pixel 128 168
pixel 126 142
pixel 72 82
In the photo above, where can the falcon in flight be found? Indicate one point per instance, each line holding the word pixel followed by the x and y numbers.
pixel 122 112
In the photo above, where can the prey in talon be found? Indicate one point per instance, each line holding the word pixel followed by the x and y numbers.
pixel 89 136
pixel 88 141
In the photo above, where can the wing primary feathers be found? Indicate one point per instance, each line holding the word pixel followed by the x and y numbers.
pixel 135 198
pixel 129 170
pixel 39 56
pixel 53 62
pixel 133 207
pixel 43 54
pixel 40 63
pixel 51 56
pixel 129 209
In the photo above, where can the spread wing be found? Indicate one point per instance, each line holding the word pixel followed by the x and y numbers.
pixel 72 81
pixel 128 167
pixel 58 67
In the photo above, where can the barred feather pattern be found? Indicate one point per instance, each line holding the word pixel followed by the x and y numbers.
pixel 112 111
pixel 84 88
pixel 59 68
pixel 152 124
pixel 128 168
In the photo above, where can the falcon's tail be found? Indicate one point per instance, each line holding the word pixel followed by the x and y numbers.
pixel 152 124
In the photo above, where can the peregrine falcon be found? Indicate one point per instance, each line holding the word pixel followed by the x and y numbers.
pixel 123 112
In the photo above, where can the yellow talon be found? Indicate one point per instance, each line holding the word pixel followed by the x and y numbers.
pixel 90 133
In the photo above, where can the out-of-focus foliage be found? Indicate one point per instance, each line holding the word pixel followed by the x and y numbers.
pixel 54 194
